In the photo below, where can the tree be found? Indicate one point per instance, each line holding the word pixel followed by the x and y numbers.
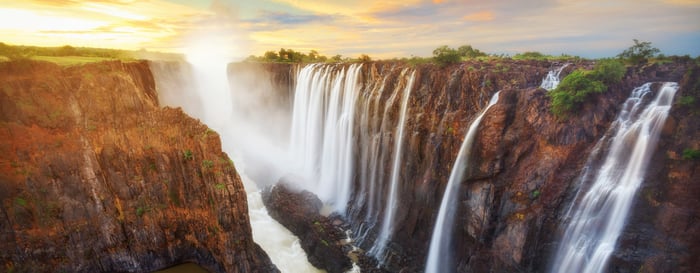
pixel 271 56
pixel 337 58
pixel 364 58
pixel 469 52
pixel 639 52
pixel 445 55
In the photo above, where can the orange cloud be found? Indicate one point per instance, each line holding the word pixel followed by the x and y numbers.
pixel 438 1
pixel 482 16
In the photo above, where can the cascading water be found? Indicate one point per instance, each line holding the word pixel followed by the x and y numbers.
pixel 322 130
pixel 343 136
pixel 551 81
pixel 439 251
pixel 390 209
pixel 205 94
pixel 597 219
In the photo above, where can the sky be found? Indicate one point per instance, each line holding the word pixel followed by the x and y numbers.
pixel 381 29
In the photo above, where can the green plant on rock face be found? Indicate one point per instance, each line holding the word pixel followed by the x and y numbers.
pixel 220 186
pixel 140 211
pixel 580 85
pixel 686 101
pixel 208 164
pixel 691 154
pixel 534 194
pixel 187 155
pixel 21 201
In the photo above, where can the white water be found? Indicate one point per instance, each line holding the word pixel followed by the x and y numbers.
pixel 206 94
pixel 390 209
pixel 439 254
pixel 278 242
pixel 551 81
pixel 323 121
pixel 344 135
pixel 598 218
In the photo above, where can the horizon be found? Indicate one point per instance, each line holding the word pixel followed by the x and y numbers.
pixel 392 29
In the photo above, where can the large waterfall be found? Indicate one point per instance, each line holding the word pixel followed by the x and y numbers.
pixel 343 133
pixel 439 252
pixel 322 130
pixel 608 189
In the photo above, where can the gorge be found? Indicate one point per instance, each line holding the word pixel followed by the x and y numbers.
pixel 365 148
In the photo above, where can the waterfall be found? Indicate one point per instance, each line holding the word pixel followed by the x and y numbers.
pixel 551 81
pixel 390 209
pixel 322 130
pixel 597 219
pixel 439 251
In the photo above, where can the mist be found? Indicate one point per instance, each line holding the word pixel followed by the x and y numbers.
pixel 247 110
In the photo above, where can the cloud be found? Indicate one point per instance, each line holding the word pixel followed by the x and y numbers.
pixel 482 16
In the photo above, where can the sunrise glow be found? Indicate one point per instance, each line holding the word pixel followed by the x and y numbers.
pixel 383 29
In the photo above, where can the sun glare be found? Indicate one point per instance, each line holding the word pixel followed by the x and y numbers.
pixel 25 20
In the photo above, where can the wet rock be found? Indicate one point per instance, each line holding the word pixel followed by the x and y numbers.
pixel 299 211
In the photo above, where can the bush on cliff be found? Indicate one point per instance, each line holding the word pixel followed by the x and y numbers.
pixel 578 86
pixel 445 55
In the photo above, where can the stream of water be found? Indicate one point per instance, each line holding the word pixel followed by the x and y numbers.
pixel 598 217
pixel 439 257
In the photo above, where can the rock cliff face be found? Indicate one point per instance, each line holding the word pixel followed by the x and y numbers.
pixel 95 177
pixel 525 168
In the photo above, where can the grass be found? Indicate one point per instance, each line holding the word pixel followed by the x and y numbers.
pixel 70 60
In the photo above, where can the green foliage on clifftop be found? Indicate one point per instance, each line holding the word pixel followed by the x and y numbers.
pixel 581 84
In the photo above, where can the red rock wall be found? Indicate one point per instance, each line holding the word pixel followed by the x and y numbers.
pixel 95 177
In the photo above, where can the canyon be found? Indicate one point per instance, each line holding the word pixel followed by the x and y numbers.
pixel 102 173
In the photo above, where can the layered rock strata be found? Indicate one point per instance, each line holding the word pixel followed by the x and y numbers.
pixel 96 177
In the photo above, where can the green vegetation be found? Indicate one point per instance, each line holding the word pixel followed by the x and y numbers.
pixel 580 85
pixel 187 155
pixel 69 55
pixel 291 56
pixel 220 186
pixel 141 210
pixel 21 201
pixel 691 154
pixel 534 194
pixel 686 101
pixel 207 164
pixel 445 55
pixel 639 53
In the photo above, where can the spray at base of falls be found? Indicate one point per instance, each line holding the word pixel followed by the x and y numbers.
pixel 598 218
pixel 438 254
pixel 206 94
pixel 551 81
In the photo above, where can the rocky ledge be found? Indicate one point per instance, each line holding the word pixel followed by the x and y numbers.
pixel 96 177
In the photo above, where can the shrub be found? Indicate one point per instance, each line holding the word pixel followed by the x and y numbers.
pixel 691 154
pixel 574 89
pixel 609 71
pixel 445 55
pixel 686 101
pixel 207 164
pixel 578 86
pixel 187 155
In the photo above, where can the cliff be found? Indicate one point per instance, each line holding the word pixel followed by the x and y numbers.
pixel 525 167
pixel 96 177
